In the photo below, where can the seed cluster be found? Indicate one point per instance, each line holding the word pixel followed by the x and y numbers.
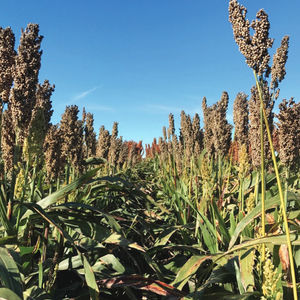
pixel 72 137
pixel 241 119
pixel 7 62
pixel 254 126
pixel 90 141
pixel 279 60
pixel 52 149
pixel 25 77
pixel 254 48
pixel 289 132
pixel 222 129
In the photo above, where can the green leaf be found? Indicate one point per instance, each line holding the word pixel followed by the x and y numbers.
pixel 188 269
pixel 239 278
pixel 9 273
pixel 61 193
pixel 256 212
pixel 117 239
pixel 164 237
pixel 246 260
pixel 35 293
pixel 222 226
pixel 36 208
pixel 274 240
pixel 73 263
pixel 90 279
pixel 113 262
pixel 223 274
pixel 8 240
pixel 110 219
pixel 8 294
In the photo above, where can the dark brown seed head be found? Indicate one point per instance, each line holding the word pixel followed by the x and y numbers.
pixel 279 60
pixel 254 124
pixel 197 135
pixel 72 137
pixel 7 140
pixel 52 151
pixel 289 132
pixel 241 119
pixel 222 129
pixel 164 133
pixel 113 153
pixel 103 143
pixel 43 100
pixel 254 48
pixel 171 129
pixel 114 132
pixel 25 76
pixel 7 61
pixel 208 120
pixel 89 136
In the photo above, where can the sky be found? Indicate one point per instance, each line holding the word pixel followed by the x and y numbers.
pixel 136 61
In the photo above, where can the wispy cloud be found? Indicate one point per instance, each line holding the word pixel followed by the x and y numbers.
pixel 85 93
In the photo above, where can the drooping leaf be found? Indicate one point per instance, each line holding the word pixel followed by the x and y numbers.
pixel 246 260
pixel 165 236
pixel 112 262
pixel 9 273
pixel 90 279
pixel 61 193
pixel 35 293
pixel 117 239
pixel 189 269
pixel 256 212
pixel 7 294
pixel 142 283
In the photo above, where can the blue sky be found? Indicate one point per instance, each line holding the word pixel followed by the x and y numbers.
pixel 135 61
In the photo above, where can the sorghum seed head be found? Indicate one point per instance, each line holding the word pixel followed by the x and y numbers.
pixel 279 60
pixel 7 61
pixel 254 48
pixel 289 132
pixel 240 118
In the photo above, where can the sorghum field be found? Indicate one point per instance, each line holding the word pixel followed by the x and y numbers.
pixel 211 213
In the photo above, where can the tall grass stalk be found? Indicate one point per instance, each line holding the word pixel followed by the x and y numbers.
pixel 263 186
pixel 283 206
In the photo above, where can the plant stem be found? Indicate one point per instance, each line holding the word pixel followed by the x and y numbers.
pixel 263 189
pixel 285 220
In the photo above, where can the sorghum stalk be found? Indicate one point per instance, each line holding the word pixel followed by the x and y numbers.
pixel 285 221
pixel 263 187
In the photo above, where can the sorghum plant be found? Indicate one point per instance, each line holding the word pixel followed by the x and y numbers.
pixel 72 137
pixel 255 49
pixel 25 77
pixel 7 140
pixel 208 115
pixel 255 124
pixel 171 128
pixel 241 119
pixel 197 136
pixel 52 151
pixel 89 136
pixel 7 61
pixel 222 129
pixel 289 132
pixel 103 143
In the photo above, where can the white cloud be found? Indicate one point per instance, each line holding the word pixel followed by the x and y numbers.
pixel 84 94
